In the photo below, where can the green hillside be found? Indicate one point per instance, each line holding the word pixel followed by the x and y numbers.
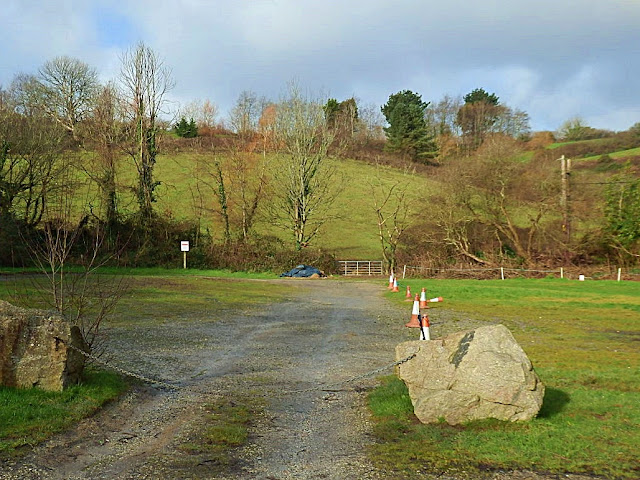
pixel 352 231
pixel 352 234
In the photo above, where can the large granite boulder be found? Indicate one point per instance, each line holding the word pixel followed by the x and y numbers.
pixel 470 375
pixel 34 349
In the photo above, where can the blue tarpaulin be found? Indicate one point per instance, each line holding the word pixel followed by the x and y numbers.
pixel 302 271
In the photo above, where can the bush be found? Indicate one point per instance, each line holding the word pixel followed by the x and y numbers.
pixel 14 251
pixel 156 243
pixel 186 129
pixel 260 254
pixel 540 140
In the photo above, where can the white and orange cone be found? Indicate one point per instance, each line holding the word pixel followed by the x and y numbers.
pixel 408 297
pixel 425 334
pixel 415 313
pixel 395 285
pixel 391 277
pixel 436 299
pixel 423 299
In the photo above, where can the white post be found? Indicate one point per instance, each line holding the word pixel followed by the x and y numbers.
pixel 502 273
pixel 619 273
pixel 404 272
pixel 561 272
pixel 184 246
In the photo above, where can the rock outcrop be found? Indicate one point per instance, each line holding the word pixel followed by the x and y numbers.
pixel 471 375
pixel 34 349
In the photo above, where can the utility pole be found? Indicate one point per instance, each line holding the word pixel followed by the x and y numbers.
pixel 565 171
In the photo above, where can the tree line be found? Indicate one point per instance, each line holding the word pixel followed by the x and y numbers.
pixel 60 126
pixel 494 207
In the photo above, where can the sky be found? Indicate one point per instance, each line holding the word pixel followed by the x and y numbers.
pixel 554 59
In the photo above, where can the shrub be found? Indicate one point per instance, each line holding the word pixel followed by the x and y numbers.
pixel 186 129
pixel 540 140
pixel 261 254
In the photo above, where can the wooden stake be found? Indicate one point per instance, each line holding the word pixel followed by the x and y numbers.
pixel 565 171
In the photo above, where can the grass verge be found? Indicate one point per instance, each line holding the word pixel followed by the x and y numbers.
pixel 29 416
pixel 582 337
pixel 159 295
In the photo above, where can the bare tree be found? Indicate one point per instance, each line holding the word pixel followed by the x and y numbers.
pixel 29 146
pixel 220 192
pixel 69 256
pixel 496 189
pixel 204 113
pixel 370 122
pixel 304 182
pixel 68 86
pixel 393 213
pixel 5 99
pixel 144 82
pixel 451 217
pixel 104 128
pixel 245 115
pixel 248 180
pixel 26 94
pixel 238 184
pixel 442 116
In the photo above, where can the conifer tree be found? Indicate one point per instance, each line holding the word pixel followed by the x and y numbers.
pixel 407 132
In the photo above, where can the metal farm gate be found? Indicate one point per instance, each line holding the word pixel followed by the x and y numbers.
pixel 359 267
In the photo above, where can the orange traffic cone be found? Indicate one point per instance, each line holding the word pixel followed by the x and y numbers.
pixel 415 313
pixel 391 277
pixel 395 285
pixel 434 300
pixel 423 299
pixel 408 297
pixel 424 328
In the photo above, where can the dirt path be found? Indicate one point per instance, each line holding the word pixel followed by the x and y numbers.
pixel 327 332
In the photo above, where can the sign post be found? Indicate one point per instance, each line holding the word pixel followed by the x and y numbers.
pixel 184 247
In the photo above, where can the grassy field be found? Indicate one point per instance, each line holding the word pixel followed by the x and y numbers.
pixel 593 141
pixel 166 297
pixel 582 338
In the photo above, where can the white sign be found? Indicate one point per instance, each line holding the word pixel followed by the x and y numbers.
pixel 184 246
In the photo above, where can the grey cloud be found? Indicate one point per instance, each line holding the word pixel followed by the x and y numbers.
pixel 553 59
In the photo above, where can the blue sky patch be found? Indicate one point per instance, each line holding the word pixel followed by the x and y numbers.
pixel 113 28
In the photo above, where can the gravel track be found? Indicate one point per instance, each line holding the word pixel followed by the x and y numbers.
pixel 327 332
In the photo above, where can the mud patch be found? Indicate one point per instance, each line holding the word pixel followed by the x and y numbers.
pixel 627 335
